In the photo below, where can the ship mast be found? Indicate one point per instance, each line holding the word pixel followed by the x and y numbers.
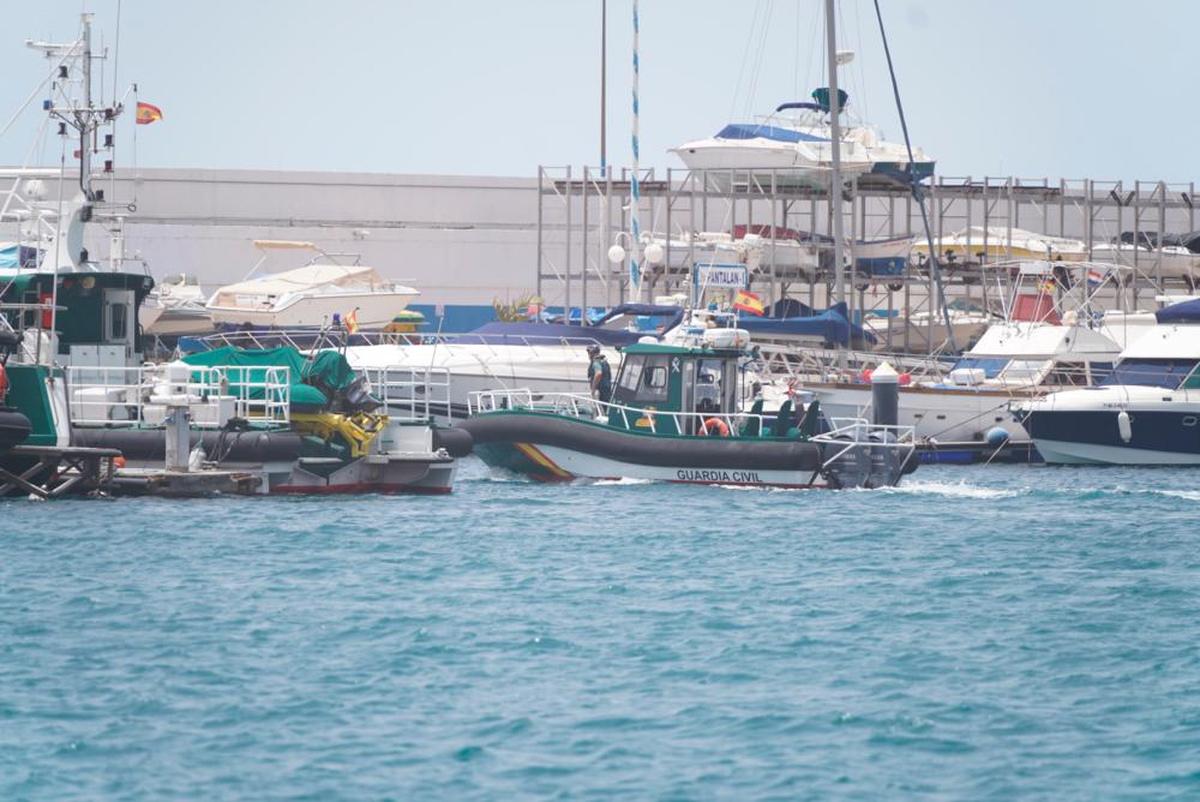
pixel 835 131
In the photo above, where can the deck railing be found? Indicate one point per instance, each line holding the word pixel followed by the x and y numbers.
pixel 132 396
pixel 409 393
pixel 652 420
pixel 310 340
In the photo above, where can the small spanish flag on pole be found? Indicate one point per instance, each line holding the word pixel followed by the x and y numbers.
pixel 147 113
pixel 746 301
pixel 352 321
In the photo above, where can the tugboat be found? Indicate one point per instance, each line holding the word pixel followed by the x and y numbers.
pixel 675 416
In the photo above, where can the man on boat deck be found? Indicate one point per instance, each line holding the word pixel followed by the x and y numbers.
pixel 599 374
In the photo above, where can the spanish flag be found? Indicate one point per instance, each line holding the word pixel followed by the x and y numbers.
pixel 147 113
pixel 749 302
pixel 352 321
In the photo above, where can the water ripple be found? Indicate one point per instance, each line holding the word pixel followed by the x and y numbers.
pixel 1000 633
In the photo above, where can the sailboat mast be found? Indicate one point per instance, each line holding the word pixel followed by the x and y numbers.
pixel 835 130
pixel 635 190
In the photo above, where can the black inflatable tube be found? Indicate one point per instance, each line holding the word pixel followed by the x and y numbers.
pixel 457 441
pixel 249 447
pixel 14 428
pixel 639 449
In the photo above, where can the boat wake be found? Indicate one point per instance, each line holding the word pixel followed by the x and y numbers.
pixel 952 490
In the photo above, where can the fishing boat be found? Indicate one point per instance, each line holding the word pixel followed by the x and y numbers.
pixel 675 416
pixel 793 146
pixel 308 297
pixel 1146 412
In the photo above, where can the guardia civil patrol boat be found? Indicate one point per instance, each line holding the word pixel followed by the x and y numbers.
pixel 675 416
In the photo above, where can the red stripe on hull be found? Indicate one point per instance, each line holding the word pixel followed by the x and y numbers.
pixel 361 487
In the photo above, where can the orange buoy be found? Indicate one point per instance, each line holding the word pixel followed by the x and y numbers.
pixel 716 427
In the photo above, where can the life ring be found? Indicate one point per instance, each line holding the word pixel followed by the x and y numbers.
pixel 715 427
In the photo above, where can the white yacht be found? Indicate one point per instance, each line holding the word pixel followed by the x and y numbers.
pixel 794 146
pixel 977 243
pixel 309 297
pixel 175 306
pixel 1147 412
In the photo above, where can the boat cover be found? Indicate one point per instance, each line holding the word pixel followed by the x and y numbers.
pixel 752 131
pixel 662 318
pixel 832 326
pixel 329 369
pixel 1186 312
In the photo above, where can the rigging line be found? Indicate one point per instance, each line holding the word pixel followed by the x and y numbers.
pixel 752 95
pixel 815 47
pixel 918 196
pixel 745 57
pixel 796 57
pixel 861 72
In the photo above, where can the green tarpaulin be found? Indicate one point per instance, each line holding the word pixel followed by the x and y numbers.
pixel 329 370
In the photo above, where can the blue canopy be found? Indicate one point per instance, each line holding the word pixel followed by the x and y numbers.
pixel 1186 312
pixel 659 319
pixel 832 326
pixel 751 131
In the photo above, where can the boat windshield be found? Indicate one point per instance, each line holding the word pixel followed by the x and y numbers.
pixel 649 324
pixel 1168 373
pixel 990 365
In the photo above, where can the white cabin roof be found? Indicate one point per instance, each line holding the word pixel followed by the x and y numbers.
pixel 1166 341
pixel 1042 340
pixel 310 278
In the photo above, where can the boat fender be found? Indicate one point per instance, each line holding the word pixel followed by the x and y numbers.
pixel 3 382
pixel 457 441
pixel 1124 426
pixel 715 427
pixel 996 436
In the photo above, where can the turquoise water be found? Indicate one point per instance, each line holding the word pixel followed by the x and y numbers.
pixel 998 633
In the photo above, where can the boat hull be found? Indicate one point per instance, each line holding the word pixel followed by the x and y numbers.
pixel 1078 437
pixel 556 448
pixel 279 458
pixel 375 310
pixel 960 415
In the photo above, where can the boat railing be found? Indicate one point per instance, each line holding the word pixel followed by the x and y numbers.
pixel 652 420
pixel 853 433
pixel 311 340
pixel 409 393
pixel 138 395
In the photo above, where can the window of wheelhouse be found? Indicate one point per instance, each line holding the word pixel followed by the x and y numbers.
pixel 644 379
pixel 1166 373
pixel 1068 374
pixel 716 385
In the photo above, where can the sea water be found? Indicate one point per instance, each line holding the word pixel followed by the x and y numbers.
pixel 1007 632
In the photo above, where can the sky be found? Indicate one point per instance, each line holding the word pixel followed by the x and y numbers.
pixel 1099 89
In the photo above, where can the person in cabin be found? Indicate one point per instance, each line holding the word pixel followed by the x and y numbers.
pixel 599 374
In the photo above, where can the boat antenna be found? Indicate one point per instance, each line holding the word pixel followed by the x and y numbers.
pixel 635 190
pixel 835 185
pixel 603 87
pixel 917 193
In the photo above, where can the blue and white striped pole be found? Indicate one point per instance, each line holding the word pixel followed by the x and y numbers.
pixel 635 273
